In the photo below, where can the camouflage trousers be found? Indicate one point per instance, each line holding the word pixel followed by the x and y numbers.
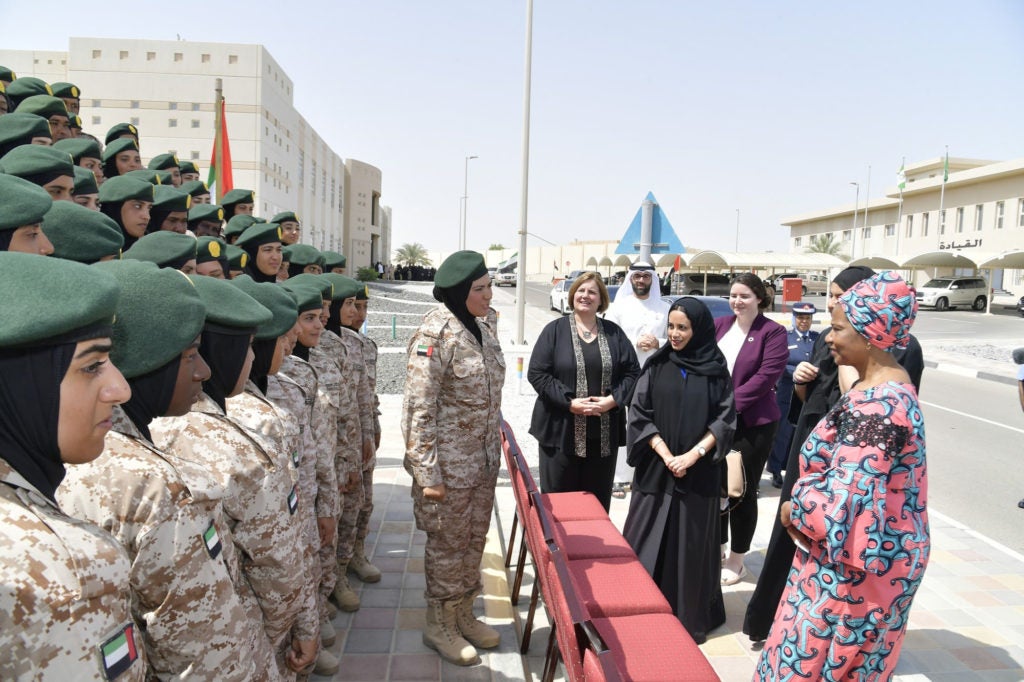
pixel 354 523
pixel 456 532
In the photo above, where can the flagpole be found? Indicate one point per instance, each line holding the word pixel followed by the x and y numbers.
pixel 218 143
pixel 899 214
pixel 942 196
pixel 867 199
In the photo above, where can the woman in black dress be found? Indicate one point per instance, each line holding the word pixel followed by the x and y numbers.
pixel 681 425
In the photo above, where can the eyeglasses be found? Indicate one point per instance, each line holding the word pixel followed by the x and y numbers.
pixel 645 275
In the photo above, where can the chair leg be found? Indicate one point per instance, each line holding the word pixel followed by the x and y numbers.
pixel 511 540
pixel 551 658
pixel 528 627
pixel 518 582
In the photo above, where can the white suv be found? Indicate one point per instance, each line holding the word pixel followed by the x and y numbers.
pixel 944 293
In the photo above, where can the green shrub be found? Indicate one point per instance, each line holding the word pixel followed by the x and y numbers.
pixel 366 274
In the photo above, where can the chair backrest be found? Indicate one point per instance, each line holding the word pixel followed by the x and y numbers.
pixel 566 611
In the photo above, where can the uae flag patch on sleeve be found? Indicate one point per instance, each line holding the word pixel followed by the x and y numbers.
pixel 293 500
pixel 119 652
pixel 424 351
pixel 212 541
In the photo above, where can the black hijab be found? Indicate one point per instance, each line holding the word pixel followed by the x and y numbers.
pixel 151 395
pixel 6 237
pixel 334 317
pixel 157 216
pixel 851 275
pixel 112 210
pixel 263 357
pixel 300 351
pixel 225 353
pixel 454 299
pixel 701 355
pixel 29 405
pixel 252 269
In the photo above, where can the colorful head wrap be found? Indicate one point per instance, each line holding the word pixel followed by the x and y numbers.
pixel 882 309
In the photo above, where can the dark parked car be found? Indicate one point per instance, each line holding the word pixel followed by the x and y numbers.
pixel 692 283
pixel 718 306
pixel 1020 306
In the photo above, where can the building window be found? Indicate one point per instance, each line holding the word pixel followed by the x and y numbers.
pixel 865 232
pixel 96 54
pixel 924 224
pixel 890 230
pixel 96 120
pixel 195 123
pixel 847 235
pixel 150 56
pixel 134 120
pixel 302 168
pixel 1020 212
pixel 195 156
pixel 172 123
pixel 312 187
pixel 195 106
pixel 960 219
pixel 134 104
pixel 97 103
pixel 979 216
pixel 232 59
pixel 1000 209
pixel 205 58
pixel 942 222
pixel 123 54
pixel 172 105
pixel 797 241
pixel 910 226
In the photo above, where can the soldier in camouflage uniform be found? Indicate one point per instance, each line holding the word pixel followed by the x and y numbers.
pixel 451 420
pixel 64 597
pixel 259 502
pixel 183 599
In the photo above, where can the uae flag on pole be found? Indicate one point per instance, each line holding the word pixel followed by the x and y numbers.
pixel 219 180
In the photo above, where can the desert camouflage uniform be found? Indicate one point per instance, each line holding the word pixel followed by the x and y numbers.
pixel 370 360
pixel 258 503
pixel 451 421
pixel 354 372
pixel 279 438
pixel 191 619
pixel 63 593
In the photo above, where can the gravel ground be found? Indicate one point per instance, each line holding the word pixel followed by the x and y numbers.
pixel 395 311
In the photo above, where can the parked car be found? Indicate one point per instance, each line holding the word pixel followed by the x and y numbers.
pixel 718 306
pixel 505 279
pixel 558 299
pixel 1020 306
pixel 492 272
pixel 943 293
pixel 692 283
pixel 813 284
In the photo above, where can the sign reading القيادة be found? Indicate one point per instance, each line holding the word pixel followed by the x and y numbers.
pixel 967 244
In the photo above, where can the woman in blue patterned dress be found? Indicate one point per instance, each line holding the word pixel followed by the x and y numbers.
pixel 859 507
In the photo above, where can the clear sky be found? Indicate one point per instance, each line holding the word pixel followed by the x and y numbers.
pixel 772 108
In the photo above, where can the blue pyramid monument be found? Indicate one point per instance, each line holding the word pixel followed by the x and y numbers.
pixel 663 237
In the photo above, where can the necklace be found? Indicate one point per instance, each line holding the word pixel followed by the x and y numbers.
pixel 587 334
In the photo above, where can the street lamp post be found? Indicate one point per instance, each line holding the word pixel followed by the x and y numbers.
pixel 853 232
pixel 737 230
pixel 465 205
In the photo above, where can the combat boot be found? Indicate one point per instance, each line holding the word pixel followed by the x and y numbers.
pixel 328 636
pixel 344 595
pixel 362 567
pixel 326 664
pixel 442 634
pixel 478 634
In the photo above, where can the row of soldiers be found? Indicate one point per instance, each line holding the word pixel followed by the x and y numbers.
pixel 236 479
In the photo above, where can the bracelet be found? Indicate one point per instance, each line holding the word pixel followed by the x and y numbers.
pixel 657 443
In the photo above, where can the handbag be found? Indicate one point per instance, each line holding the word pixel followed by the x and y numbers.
pixel 734 482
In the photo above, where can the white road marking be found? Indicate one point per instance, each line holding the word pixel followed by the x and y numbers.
pixel 971 416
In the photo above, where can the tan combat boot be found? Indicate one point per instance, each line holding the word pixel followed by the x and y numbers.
pixel 478 634
pixel 326 664
pixel 347 599
pixel 328 636
pixel 362 567
pixel 442 634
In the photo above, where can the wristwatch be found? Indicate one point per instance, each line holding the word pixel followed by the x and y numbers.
pixel 701 450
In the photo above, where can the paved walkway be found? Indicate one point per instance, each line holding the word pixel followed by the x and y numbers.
pixel 967 621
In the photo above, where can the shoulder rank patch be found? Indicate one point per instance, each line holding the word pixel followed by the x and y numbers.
pixel 212 541
pixel 119 652
pixel 295 456
pixel 293 501
pixel 424 351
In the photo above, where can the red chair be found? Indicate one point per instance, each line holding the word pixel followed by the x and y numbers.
pixel 641 657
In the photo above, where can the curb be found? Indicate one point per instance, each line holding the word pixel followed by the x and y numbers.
pixel 962 371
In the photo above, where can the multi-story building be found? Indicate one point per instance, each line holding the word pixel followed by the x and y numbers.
pixel 167 90
pixel 978 210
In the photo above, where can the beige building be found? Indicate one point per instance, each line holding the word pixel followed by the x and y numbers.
pixel 982 217
pixel 365 240
pixel 167 90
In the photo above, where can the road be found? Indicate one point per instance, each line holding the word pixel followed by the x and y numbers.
pixel 974 428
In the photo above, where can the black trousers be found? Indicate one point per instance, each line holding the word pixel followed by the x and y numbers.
pixel 562 472
pixel 754 442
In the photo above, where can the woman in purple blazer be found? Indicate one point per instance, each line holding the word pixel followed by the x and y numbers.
pixel 756 352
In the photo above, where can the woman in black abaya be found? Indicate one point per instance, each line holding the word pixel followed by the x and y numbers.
pixel 681 425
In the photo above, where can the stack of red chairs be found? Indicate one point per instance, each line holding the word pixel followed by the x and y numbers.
pixel 609 620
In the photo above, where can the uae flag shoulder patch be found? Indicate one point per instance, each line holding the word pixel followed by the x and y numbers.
pixel 212 540
pixel 119 652
pixel 424 351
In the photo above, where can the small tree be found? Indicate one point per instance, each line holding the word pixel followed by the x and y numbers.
pixel 412 254
pixel 826 244
pixel 496 247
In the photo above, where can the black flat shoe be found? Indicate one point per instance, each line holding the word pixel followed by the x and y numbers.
pixel 1021 504
pixel 777 481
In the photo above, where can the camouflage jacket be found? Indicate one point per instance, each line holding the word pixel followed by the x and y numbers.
pixel 328 359
pixel 191 618
pixel 370 359
pixel 291 400
pixel 64 597
pixel 258 501
pixel 451 409
pixel 355 370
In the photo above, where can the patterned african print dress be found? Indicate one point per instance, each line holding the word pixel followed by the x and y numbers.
pixel 861 501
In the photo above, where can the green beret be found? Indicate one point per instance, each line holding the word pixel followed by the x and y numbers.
pixel 80 148
pixel 211 212
pixel 119 130
pixel 26 86
pixel 24 203
pixel 153 177
pixel 164 162
pixel 168 198
pixel 276 300
pixel 7 75
pixel 49 300
pixel 344 287
pixel 159 315
pixel 259 234
pixel 163 247
pixel 117 146
pixel 229 306
pixel 238 224
pixel 122 188
pixel 459 267
pixel 257 219
pixel 285 217
pixel 238 196
pixel 306 297
pixel 324 286
pixel 210 249
pixel 43 105
pixel 304 254
pixel 237 257
pixel 80 234
pixel 75 121
pixel 187 167
pixel 85 181
pixel 35 162
pixel 194 188
pixel 19 129
pixel 333 259
pixel 69 90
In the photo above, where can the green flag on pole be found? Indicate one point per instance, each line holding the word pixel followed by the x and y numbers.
pixel 945 168
pixel 902 176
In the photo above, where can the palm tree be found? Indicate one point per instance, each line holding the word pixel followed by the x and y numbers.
pixel 412 254
pixel 826 244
